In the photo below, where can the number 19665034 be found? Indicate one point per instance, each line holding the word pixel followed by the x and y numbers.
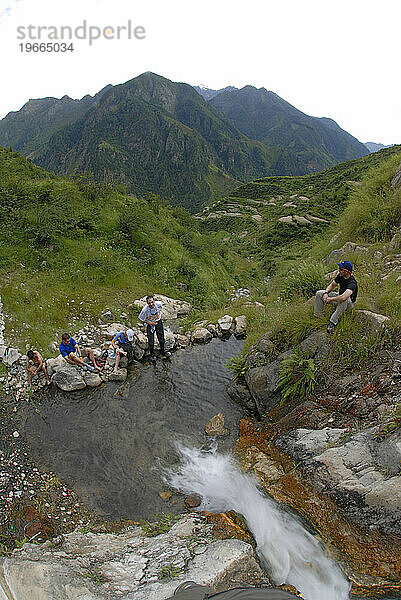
pixel 46 47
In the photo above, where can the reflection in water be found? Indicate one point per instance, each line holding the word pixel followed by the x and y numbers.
pixel 108 443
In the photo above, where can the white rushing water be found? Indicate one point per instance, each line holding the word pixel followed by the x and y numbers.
pixel 289 552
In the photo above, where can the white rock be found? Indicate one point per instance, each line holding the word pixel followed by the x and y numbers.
pixel 240 324
pixel 200 336
pixel 225 323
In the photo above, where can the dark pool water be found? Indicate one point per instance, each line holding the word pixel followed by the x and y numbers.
pixel 110 444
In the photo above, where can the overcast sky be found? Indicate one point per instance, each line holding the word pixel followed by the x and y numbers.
pixel 336 59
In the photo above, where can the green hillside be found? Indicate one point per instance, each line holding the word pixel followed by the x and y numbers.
pixel 70 248
pixel 148 134
pixel 30 128
pixel 267 217
pixel 153 135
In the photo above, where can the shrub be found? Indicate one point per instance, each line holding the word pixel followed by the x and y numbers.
pixel 303 279
pixel 236 365
pixel 297 376
pixel 375 208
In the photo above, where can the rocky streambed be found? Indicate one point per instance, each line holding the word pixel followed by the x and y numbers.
pixel 333 457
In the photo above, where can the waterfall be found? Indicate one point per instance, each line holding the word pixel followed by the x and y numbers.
pixel 289 553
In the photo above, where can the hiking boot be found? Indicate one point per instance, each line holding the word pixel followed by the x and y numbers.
pixel 331 327
pixel 184 586
pixel 165 355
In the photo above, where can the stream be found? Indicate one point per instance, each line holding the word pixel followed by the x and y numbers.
pixel 119 446
pixel 107 444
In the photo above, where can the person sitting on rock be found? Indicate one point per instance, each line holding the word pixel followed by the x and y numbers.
pixel 71 352
pixel 151 315
pixel 122 344
pixel 343 299
pixel 35 364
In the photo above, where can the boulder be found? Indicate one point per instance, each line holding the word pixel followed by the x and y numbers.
pixel 130 564
pixel 212 328
pixel 360 474
pixel 121 375
pixel 240 394
pixel 395 242
pixel 9 356
pixel 143 340
pixel 215 427
pixel 107 315
pixel 169 340
pixel 92 379
pixel 340 254
pixel 374 321
pixel 69 378
pixel 110 330
pixel 225 324
pixel 201 336
pixel 182 341
pixel 138 352
pixel 55 364
pixel 261 382
pixel 240 324
pixel 111 361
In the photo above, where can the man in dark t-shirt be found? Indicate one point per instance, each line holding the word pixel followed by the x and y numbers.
pixel 343 299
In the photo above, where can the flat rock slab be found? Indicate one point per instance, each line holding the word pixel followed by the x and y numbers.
pixel 361 474
pixel 121 375
pixel 215 427
pixel 128 565
pixel 111 329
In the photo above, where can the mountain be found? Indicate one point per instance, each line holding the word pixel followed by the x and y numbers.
pixel 208 93
pixel 307 144
pixel 31 127
pixel 153 135
pixel 149 134
pixel 373 147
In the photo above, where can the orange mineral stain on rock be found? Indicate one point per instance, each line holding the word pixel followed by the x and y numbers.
pixel 371 560
pixel 224 526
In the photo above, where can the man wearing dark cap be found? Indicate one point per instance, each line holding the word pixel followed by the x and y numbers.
pixel 343 299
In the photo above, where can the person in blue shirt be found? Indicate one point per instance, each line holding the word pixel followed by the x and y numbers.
pixel 122 345
pixel 71 352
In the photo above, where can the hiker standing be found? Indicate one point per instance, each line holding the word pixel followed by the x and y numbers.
pixel 151 315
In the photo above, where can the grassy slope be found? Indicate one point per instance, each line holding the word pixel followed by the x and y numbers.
pixel 108 249
pixel 70 249
pixel 367 214
pixel 324 195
